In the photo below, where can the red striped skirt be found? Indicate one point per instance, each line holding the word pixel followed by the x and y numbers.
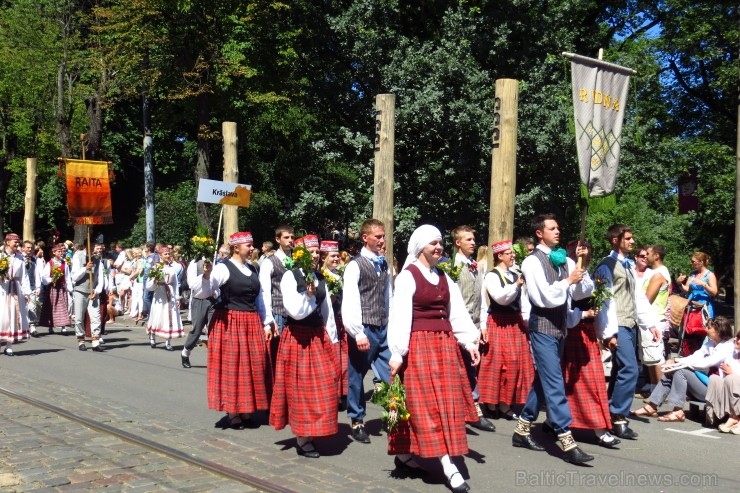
pixel 438 397
pixel 306 383
pixel 506 369
pixel 341 354
pixel 583 374
pixel 54 307
pixel 239 376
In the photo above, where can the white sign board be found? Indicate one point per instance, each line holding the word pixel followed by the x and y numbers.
pixel 224 193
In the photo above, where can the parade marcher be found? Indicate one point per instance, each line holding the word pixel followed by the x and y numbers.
pixel 552 281
pixel 99 253
pixel 88 279
pixel 506 368
pixel 365 307
pixel 428 321
pixel 239 376
pixel 583 370
pixel 136 311
pixel 201 306
pixel 470 283
pixel 34 281
pixel 330 262
pixel 164 317
pixel 270 275
pixel 617 324
pixel 306 348
pixel 14 292
pixel 57 283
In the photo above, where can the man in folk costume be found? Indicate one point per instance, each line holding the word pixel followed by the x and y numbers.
pixel 470 284
pixel 14 293
pixel 270 274
pixel 201 306
pixel 552 280
pixel 34 280
pixel 99 253
pixel 617 324
pixel 365 307
pixel 88 279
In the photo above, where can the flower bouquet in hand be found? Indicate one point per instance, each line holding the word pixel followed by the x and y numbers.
pixel 301 258
pixel 157 273
pixel 451 269
pixel 4 268
pixel 57 274
pixel 202 246
pixel 602 292
pixel 392 398
pixel 334 280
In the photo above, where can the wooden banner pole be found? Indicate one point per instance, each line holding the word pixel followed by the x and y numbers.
pixel 385 135
pixel 231 174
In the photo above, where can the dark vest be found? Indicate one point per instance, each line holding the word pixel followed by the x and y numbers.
pixel 551 321
pixel 278 269
pixel 83 285
pixel 31 271
pixel 430 303
pixel 315 319
pixel 240 292
pixel 372 292
pixel 514 306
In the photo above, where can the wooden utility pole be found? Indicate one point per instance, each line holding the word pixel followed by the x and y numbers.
pixel 385 139
pixel 231 174
pixel 29 213
pixel 736 266
pixel 503 162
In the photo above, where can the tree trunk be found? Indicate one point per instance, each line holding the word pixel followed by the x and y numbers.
pixel 203 164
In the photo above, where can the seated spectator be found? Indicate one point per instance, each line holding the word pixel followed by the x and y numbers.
pixel 690 378
pixel 723 393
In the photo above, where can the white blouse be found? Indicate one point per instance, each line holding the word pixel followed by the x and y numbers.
pixel 220 275
pixel 300 305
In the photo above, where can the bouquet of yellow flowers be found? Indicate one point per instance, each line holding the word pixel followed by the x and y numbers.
pixel 334 281
pixel 4 268
pixel 202 246
pixel 392 398
pixel 601 293
pixel 156 272
pixel 452 270
pixel 301 258
pixel 57 274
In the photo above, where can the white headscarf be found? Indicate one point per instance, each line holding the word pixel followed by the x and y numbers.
pixel 421 237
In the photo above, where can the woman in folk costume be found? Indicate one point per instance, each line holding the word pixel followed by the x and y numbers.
pixel 506 367
pixel 583 371
pixel 239 371
pixel 331 263
pixel 306 349
pixel 164 317
pixel 14 288
pixel 428 320
pixel 57 286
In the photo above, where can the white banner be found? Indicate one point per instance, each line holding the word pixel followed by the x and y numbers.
pixel 599 98
pixel 224 193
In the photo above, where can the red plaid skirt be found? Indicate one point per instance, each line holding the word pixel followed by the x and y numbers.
pixel 438 397
pixel 239 376
pixel 54 307
pixel 583 374
pixel 341 355
pixel 506 369
pixel 306 383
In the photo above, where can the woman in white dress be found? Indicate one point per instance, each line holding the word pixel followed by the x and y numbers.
pixel 164 317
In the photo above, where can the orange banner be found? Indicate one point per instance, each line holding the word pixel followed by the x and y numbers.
pixel 88 192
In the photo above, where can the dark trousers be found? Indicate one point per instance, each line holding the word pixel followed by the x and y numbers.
pixel 201 311
pixel 624 372
pixel 548 385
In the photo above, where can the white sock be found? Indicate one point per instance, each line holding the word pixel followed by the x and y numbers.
pixel 186 352
pixel 450 471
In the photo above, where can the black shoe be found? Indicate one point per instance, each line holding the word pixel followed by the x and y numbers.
pixel 577 456
pixel 463 488
pixel 8 352
pixel 98 349
pixel 483 424
pixel 604 440
pixel 152 344
pixel 51 330
pixel 308 450
pixel 621 429
pixel 235 423
pixel 359 434
pixel 82 347
pixel 185 361
pixel 409 469
pixel 526 441
pixel 169 348
pixel 35 334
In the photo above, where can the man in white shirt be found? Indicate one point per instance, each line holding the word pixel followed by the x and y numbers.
pixel 365 308
pixel 201 306
pixel 34 280
pixel 88 279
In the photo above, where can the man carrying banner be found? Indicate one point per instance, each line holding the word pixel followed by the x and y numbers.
pixel 88 279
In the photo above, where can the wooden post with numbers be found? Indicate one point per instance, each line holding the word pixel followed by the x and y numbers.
pixel 503 162
pixel 231 174
pixel 385 126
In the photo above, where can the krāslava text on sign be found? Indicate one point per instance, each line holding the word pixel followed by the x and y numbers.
pixel 597 97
